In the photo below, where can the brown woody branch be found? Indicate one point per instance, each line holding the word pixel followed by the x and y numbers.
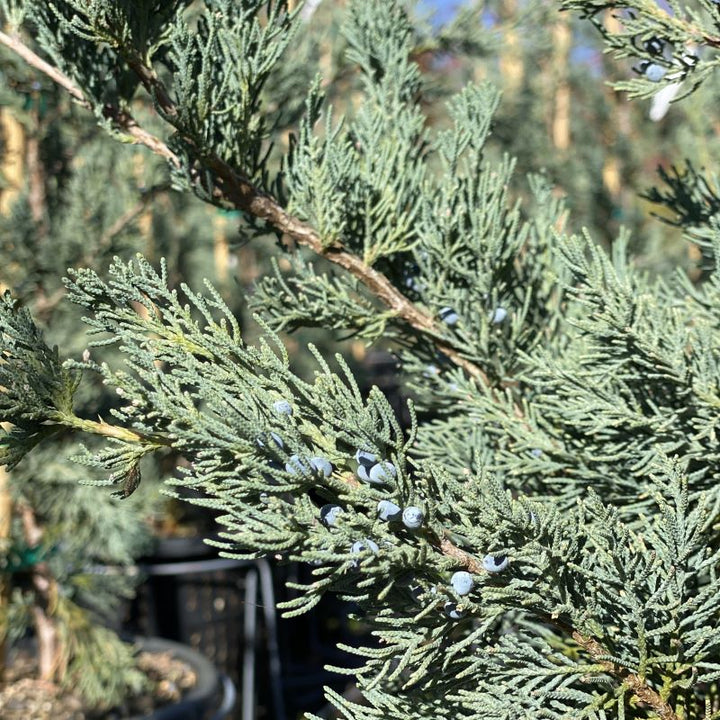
pixel 232 187
pixel 121 118
pixel 642 691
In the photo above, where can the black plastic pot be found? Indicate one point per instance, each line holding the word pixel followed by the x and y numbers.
pixel 213 695
pixel 223 608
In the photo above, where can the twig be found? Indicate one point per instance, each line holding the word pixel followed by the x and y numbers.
pixel 639 687
pixel 129 215
pixel 122 118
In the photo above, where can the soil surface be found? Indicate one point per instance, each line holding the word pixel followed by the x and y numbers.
pixel 24 697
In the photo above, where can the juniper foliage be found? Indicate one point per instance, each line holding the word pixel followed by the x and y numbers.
pixel 564 446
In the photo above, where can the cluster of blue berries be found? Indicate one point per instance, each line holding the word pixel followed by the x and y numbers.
pixel 297 464
pixel 374 471
pixel 412 517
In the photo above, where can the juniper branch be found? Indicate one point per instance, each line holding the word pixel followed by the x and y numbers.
pixel 231 187
pixel 593 648
pixel 121 118
pixel 634 682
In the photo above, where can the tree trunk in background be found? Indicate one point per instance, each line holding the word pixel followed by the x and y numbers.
pixel 511 59
pixel 611 165
pixel 12 160
pixel 37 199
pixel 221 250
pixel 12 164
pixel 562 41
pixel 46 595
pixel 620 125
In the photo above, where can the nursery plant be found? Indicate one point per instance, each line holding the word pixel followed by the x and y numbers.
pixel 67 553
pixel 72 195
pixel 541 541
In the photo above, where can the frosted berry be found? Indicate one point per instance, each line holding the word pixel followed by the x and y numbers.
pixel 654 46
pixel 448 316
pixel 362 545
pixel 321 466
pixel 275 438
pixel 536 452
pixel 451 610
pixel 329 514
pixel 498 315
pixel 365 544
pixel 298 465
pixel 412 517
pixel 495 563
pixel 365 458
pixel 655 72
pixel 382 472
pixel 362 473
pixel 388 510
pixel 282 407
pixel 462 582
pixel 431 371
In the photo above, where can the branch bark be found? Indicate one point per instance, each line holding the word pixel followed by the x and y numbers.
pixel 637 685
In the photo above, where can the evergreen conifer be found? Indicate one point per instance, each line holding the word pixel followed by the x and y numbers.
pixel 562 451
